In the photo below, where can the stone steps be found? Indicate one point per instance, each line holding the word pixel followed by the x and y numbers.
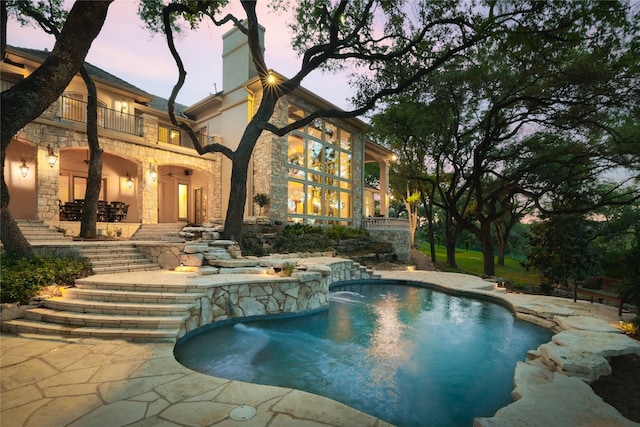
pixel 129 296
pixel 115 258
pixel 38 231
pixel 22 326
pixel 158 232
pixel 117 308
pixel 97 320
pixel 122 308
pixel 88 283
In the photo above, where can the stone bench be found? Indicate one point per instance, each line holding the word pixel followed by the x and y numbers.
pixel 602 288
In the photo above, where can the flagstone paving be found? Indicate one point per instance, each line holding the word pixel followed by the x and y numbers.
pixel 56 382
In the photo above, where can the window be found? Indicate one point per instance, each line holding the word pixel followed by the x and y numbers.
pixel 168 135
pixel 320 172
pixel 183 201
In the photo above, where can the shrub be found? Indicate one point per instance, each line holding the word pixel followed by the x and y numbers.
pixel 287 269
pixel 24 278
pixel 340 232
pixel 298 229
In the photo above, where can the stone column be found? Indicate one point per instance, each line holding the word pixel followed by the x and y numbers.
pixel 148 193
pixel 47 184
pixel 384 188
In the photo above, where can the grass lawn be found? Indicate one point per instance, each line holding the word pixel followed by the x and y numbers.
pixel 470 262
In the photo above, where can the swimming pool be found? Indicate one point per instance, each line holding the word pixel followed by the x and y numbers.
pixel 409 355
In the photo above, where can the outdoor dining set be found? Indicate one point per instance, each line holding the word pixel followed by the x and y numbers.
pixel 107 212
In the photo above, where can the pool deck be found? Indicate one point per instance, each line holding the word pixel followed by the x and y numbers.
pixel 50 381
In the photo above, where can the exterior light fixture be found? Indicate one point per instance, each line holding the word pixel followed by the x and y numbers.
pixel 152 172
pixel 24 169
pixel 51 156
pixel 129 181
pixel 271 78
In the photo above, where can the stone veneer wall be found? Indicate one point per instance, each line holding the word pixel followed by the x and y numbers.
pixel 400 239
pixel 304 291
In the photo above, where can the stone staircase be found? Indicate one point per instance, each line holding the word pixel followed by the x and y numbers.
pixel 101 309
pixel 115 257
pixel 37 231
pixel 159 232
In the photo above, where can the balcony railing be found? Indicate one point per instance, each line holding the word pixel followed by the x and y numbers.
pixel 76 110
pixel 383 223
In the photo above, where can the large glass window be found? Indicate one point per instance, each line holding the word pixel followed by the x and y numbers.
pixel 320 172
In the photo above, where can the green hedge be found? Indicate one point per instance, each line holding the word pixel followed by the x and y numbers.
pixel 24 278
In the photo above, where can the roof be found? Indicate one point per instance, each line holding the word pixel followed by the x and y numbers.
pixel 99 74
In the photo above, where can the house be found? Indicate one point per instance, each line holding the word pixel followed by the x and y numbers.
pixel 152 173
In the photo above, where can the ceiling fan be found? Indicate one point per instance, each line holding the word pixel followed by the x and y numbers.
pixel 170 174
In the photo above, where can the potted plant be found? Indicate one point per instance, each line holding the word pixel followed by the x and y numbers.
pixel 278 226
pixel 261 200
pixel 287 269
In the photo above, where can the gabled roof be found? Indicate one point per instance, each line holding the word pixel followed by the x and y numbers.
pixel 103 76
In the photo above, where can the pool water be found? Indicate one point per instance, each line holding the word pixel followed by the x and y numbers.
pixel 411 356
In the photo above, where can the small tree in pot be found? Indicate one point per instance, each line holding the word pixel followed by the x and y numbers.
pixel 261 200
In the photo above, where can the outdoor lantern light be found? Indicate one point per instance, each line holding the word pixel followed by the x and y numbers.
pixel 51 156
pixel 24 169
pixel 271 78
pixel 129 181
pixel 153 173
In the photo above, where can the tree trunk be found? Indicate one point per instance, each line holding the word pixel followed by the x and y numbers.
pixel 237 198
pixel 501 250
pixel 88 228
pixel 432 243
pixel 451 236
pixel 240 166
pixel 487 249
pixel 88 222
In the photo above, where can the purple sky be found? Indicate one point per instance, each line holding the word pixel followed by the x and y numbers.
pixel 129 51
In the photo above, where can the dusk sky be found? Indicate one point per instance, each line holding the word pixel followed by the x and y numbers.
pixel 126 49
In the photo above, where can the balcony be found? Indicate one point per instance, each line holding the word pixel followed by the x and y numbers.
pixel 75 110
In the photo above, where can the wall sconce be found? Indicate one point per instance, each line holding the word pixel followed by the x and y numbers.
pixel 129 181
pixel 152 172
pixel 51 156
pixel 24 169
pixel 121 106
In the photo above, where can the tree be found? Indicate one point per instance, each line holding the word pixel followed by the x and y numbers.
pixel 566 68
pixel 25 101
pixel 518 209
pixel 329 36
pixel 50 19
pixel 560 247
pixel 411 205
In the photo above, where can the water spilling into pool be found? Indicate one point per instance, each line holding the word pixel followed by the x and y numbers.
pixel 409 355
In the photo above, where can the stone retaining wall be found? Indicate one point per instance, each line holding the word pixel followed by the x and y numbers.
pixel 399 239
pixel 243 296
